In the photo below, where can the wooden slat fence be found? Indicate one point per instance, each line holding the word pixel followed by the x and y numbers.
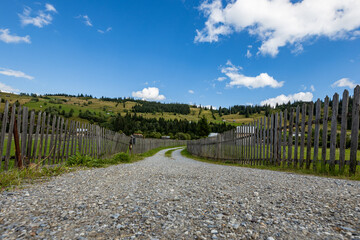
pixel 296 137
pixel 44 139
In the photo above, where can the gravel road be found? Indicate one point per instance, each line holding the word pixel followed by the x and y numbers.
pixel 179 198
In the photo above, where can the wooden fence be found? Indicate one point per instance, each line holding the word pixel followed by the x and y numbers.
pixel 294 138
pixel 28 137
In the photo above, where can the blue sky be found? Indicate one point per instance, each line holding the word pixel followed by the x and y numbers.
pixel 218 53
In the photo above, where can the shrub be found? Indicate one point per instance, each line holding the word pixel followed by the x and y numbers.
pixel 121 157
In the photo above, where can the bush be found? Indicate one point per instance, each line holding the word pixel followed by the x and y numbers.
pixel 121 158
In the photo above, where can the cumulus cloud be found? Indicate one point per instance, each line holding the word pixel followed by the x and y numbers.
pixel 191 91
pixel 240 80
pixel 150 94
pixel 40 19
pixel 13 73
pixel 278 23
pixel 301 96
pixel 6 37
pixel 312 88
pixel 220 79
pixel 8 89
pixel 344 82
pixel 86 20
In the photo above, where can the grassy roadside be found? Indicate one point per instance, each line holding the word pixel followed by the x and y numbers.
pixel 282 168
pixel 169 152
pixel 17 178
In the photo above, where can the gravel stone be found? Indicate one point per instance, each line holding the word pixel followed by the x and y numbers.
pixel 179 198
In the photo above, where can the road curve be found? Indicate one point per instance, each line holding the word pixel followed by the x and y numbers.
pixel 179 198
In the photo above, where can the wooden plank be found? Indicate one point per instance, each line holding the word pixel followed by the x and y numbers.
pixel 45 155
pixel 302 146
pixel 65 139
pixel 317 132
pixel 52 139
pixel 271 143
pixel 264 141
pixel 30 134
pixel 279 138
pixel 56 137
pixel 18 158
pixel 344 112
pixel 3 130
pixel 24 136
pixel 297 121
pixel 69 135
pixel 73 138
pixel 276 122
pixel 37 131
pixel 61 140
pixel 309 135
pixel 268 140
pixel 290 138
pixel 284 142
pixel 10 134
pixel 42 132
pixel 324 136
pixel 335 107
pixel 261 139
pixel 354 130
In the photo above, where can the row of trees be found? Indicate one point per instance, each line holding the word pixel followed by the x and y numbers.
pixel 131 123
pixel 153 107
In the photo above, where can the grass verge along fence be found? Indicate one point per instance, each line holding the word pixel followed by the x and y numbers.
pixel 28 137
pixel 300 138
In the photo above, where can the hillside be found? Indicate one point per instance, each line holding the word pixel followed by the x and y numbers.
pixel 71 107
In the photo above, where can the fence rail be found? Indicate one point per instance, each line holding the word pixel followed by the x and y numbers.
pixel 28 137
pixel 293 138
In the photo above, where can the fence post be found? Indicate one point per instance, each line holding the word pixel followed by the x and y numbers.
pixel 317 131
pixel 303 116
pixel 324 136
pixel 333 132
pixel 354 130
pixel 309 135
pixel 290 138
pixel 344 106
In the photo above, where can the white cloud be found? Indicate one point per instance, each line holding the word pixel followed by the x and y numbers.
pixel 278 23
pixel 102 31
pixel 220 79
pixel 239 80
pixel 248 54
pixel 301 96
pixel 8 89
pixel 13 73
pixel 50 8
pixel 191 91
pixel 86 20
pixel 40 19
pixel 312 88
pixel 150 93
pixel 6 37
pixel 344 82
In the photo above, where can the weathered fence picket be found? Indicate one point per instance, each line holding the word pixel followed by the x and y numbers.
pixel 279 139
pixel 46 140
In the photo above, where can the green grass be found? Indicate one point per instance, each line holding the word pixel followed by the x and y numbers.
pixel 17 178
pixel 169 152
pixel 282 168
